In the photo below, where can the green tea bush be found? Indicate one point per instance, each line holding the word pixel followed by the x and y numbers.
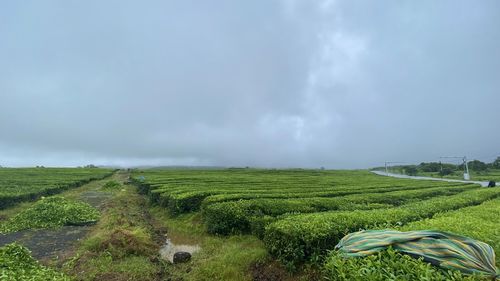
pixel 299 238
pixel 28 184
pixel 16 264
pixel 235 217
pixel 51 213
pixel 386 265
pixel 182 191
pixel 480 222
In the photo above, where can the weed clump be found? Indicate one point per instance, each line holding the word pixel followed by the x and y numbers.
pixel 52 212
pixel 16 263
pixel 112 185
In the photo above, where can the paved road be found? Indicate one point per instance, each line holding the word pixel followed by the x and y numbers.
pixel 382 173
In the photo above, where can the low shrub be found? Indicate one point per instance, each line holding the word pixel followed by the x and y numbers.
pixel 112 185
pixel 386 265
pixel 16 264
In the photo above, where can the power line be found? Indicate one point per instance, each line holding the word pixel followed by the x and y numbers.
pixel 466 166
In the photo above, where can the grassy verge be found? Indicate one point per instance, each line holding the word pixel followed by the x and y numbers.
pixel 121 246
pixel 220 258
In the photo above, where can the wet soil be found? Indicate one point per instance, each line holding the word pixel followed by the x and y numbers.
pixel 47 244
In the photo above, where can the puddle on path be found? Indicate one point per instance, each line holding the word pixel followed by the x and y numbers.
pixel 168 250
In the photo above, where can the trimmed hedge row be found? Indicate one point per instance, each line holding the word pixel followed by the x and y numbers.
pixel 299 238
pixel 187 199
pixel 481 222
pixel 235 217
pixel 333 192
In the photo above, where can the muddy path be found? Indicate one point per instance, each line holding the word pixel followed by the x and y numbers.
pixel 56 244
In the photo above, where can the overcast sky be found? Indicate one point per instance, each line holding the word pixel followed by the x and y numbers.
pixel 339 84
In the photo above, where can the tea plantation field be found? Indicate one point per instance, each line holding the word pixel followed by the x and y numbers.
pixel 302 214
pixel 23 184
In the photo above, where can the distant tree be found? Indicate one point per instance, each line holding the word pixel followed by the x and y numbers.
pixel 446 171
pixel 91 166
pixel 429 167
pixel 496 163
pixel 478 166
pixel 452 167
pixel 410 170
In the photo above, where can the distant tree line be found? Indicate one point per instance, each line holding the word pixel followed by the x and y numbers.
pixel 445 169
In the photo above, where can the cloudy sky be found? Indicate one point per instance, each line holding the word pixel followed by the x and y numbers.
pixel 340 84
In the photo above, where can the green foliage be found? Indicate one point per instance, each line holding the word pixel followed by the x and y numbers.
pixel 301 214
pixel 112 185
pixel 446 171
pixel 236 216
pixel 478 222
pixel 51 213
pixel 478 166
pixel 25 184
pixel 496 164
pixel 121 246
pixel 299 238
pixel 182 191
pixel 386 265
pixel 429 167
pixel 410 170
pixel 16 264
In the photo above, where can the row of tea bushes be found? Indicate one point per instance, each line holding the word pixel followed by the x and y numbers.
pixel 27 184
pixel 236 216
pixel 304 237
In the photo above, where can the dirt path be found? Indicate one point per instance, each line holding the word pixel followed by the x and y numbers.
pixel 382 173
pixel 54 244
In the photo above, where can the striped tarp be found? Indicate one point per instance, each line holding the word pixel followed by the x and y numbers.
pixel 447 250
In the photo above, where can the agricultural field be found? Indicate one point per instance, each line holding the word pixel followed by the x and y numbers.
pixel 300 215
pixel 240 224
pixel 24 184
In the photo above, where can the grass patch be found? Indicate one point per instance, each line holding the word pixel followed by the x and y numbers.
pixel 121 246
pixel 51 212
pixel 112 185
pixel 220 258
pixel 16 263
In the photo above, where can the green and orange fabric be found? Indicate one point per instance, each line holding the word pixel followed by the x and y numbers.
pixel 446 250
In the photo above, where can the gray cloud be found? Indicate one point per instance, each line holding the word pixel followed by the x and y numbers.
pixel 339 84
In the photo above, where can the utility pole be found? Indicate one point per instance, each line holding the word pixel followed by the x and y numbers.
pixel 466 174
pixel 466 166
